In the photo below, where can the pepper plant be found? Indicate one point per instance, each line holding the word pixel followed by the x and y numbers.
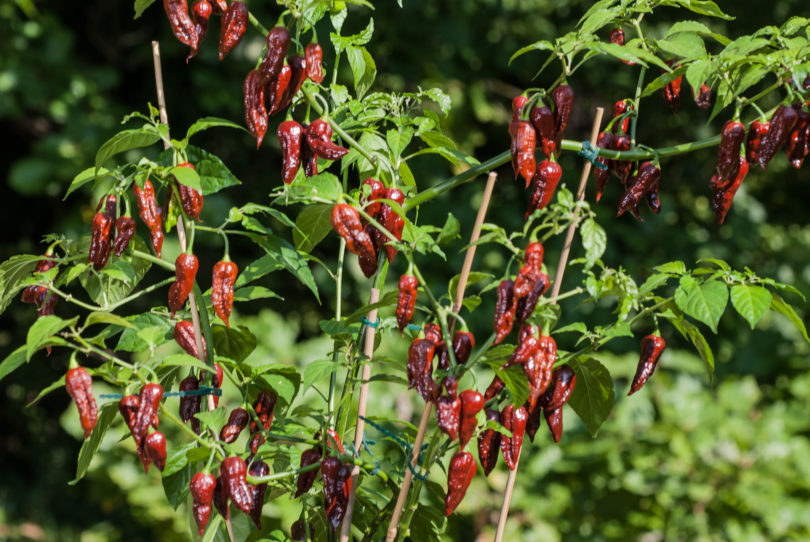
pixel 347 154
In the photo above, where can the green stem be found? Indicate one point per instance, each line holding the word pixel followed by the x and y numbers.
pixel 336 353
pixel 636 105
pixel 69 299
pixel 255 22
pixel 337 129
pixel 155 260
pixel 205 324
pixel 169 414
pixel 87 347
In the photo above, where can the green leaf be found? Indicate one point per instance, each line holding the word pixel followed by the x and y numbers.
pixel 542 45
pixel 323 185
pixel 317 370
pixel 283 379
pixel 363 67
pixel 653 282
pixel 211 122
pixel 676 267
pixel 593 396
pixel 12 274
pixel 398 140
pixel 312 225
pixel 685 45
pixel 406 175
pixel 704 302
pixel 140 7
pixel 234 343
pixel 697 28
pixel 249 293
pixel 594 239
pixel 693 334
pixel 124 141
pixel 177 475
pixel 84 177
pixel 450 230
pixel 515 380
pixel 145 332
pixel 40 333
pixel 184 360
pixel 751 302
pixel 441 98
pixel 105 417
pixel 779 305
pixel 186 176
pixel 106 318
pixel 119 278
pixel 285 255
pixel 704 7
pixel 12 361
pixel 578 327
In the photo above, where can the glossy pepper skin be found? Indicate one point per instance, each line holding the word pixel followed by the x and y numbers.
pixel 517 106
pixel 703 98
pixel 319 139
pixel 527 304
pixel 651 348
pixel 258 468
pixel 190 404
pixel 459 475
pixel 781 125
pixel 40 295
pixel 289 135
pixel 558 393
pixel 472 403
pixel 505 307
pixel 185 271
pixel 201 11
pixel 308 157
pixel 125 226
pixel 638 187
pixel 724 190
pixel 79 386
pixel 220 499
pixel 546 178
pixel 406 301
pixel 155 448
pixel 494 389
pixel 420 368
pixel 201 488
pixel 346 222
pixel 672 91
pixel 489 442
pixel 255 112
pixel 184 336
pixel 620 108
pixel 100 240
pixel 433 333
pixel 448 415
pixel 616 36
pixel 264 406
pixel 150 214
pixel 391 221
pixel 298 74
pixel 463 343
pixel 314 55
pixel 148 406
pixel 277 88
pixel 731 140
pixel 222 289
pixel 336 487
pixel 621 168
pixel 522 149
pixel 601 176
pixel 278 42
pixel 798 143
pixel 514 420
pixel 542 118
pixel 234 24
pixel 563 97
pixel 370 198
pixel 191 199
pixel 237 421
pixel 307 478
pixel 182 26
pixel 232 471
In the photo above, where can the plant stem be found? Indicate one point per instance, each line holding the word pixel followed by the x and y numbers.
pixel 148 257
pixel 636 106
pixel 336 127
pixel 336 353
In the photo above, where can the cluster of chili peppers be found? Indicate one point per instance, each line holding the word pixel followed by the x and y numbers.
pixel 516 300
pixel 190 29
pixel 335 474
pixel 304 144
pixel 39 295
pixel 347 223
pixel 139 412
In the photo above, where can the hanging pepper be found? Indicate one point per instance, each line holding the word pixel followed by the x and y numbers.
pixel 289 135
pixel 527 277
pixel 234 24
pixel 216 380
pixel 298 530
pixel 703 99
pixel 346 221
pixel 222 289
pixel 526 347
pixel 420 368
pixel 546 178
pixel 255 112
pixel 307 478
pixel 559 391
pixel 190 404
pixel 150 214
pixel 276 89
pixel 258 468
pixel 648 176
pixel 517 105
pixel 219 6
pixel 652 199
pixel 128 407
pixel 620 108
pixel 433 333
pixel 622 168
pixel 148 406
pixel 463 343
pixel 40 295
pixel 264 405
pixel 448 415
pixel 201 12
pixel 201 488
pixel 278 41
pixel 782 122
pixel 371 202
pixel 756 132
pixel 79 386
pixel 523 145
pixel 184 336
pixel 731 140
pixel 185 271
pixel 237 421
pixel 126 229
pixel 672 91
pixel 336 487
pixel 724 190
pixel 471 404
pixel 100 240
pixel 651 348
pixel 489 441
pixel 314 57
pixel 505 307
pixel 616 36
pixel 298 65
pixel 563 97
pixel 543 121
pixel 539 368
pixel 459 475
pixel 494 388
pixel 798 142
pixel 319 139
pixel 221 498
pixel 182 26
pixel 534 420
pixel 601 176
pixel 191 199
pixel 233 471
pixel 406 301
pixel 514 420
pixel 155 449
pixel 391 221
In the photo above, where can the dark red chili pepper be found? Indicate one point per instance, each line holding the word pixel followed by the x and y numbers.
pixel 346 221
pixel 184 336
pixel 620 108
pixel 234 24
pixel 601 176
pixel 336 488
pixel 489 442
pixel 258 468
pixel 43 298
pixel 433 333
pixel 278 41
pixel 255 112
pixel 191 199
pixel 126 229
pixel 731 140
pixel 526 305
pixel 448 415
pixel 724 190
pixel 190 404
pixel 420 368
pixel 559 391
pixel 221 498
pixel 526 347
pixel 406 300
pixel 798 143
pixel 150 214
pixel 755 134
pixel 391 221
pixel 494 388
pixel 100 241
pixel 463 343
pixel 517 105
pixel 471 404
pixel 651 348
pixel 182 26
pixel 185 271
pixel 148 406
pixel 617 36
pixel 652 199
pixel 233 471
pixel 79 386
pixel 523 144
pixel 781 124
pixel 222 289
pixel 622 168
pixel 201 488
pixel 201 12
pixel 128 407
pixel 371 202
pixel 554 419
pixel 216 380
pixel 546 178
pixel 298 65
pixel 289 135
pixel 514 420
pixel 154 446
pixel 542 119
pixel 298 530
pixel 308 157
pixel 526 279
pixel 703 99
pixel 539 368
pixel 535 419
pixel 648 175
pixel 672 91
pixel 264 405
pixel 319 136
pixel 314 56
pixel 307 478
pixel 563 97
pixel 459 475
pixel 505 307
pixel 237 421
pixel 276 89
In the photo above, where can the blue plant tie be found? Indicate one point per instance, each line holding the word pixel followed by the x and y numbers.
pixel 369 323
pixel 402 443
pixel 591 153
pixel 414 327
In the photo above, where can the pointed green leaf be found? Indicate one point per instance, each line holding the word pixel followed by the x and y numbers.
pixel 312 225
pixel 704 302
pixel 779 305
pixel 751 302
pixel 42 330
pixel 593 395
pixel 105 417
pixel 122 142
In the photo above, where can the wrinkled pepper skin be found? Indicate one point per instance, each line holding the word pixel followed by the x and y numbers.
pixel 336 487
pixel 535 419
pixel 155 448
pixel 216 381
pixel 539 368
pixel 563 97
pixel 258 468
pixel 125 226
pixel 150 214
pixel 346 222
pixel 191 199
pixel 420 368
pixel 185 271
pixel 505 307
pixel 376 191
pixel 433 333
pixel 184 336
pixel 527 304
pixel 638 187
pixel 79 386
pixel 526 347
pixel 255 112
pixel 264 406
pixel 472 403
pixel 459 475
pixel 616 36
pixel 40 295
pixel 314 55
pixel 546 178
pixel 201 11
pixel 148 407
pixel 652 199
pixel 222 289
pixel 391 221
pixel 221 498
pixel 601 176
pixel 307 478
pixel 526 279
pixel 277 88
pixel 463 343
pixel 128 407
pixel 448 415
pixel 542 119
pixel 554 420
pixel 559 391
pixel 319 139
pixel 489 443
pixel 278 42
pixel 672 91
pixel 201 489
pixel 725 190
pixel 237 421
pixel 781 124
pixel 406 301
pixel 100 240
pixel 494 389
pixel 620 108
pixel 190 404
pixel 798 143
pixel 517 106
pixel 651 348
pixel 703 98
pixel 298 74
pixel 234 24
pixel 621 168
pixel 289 135
pixel 523 145
pixel 182 26
pixel 731 140
pixel 514 420
pixel 232 471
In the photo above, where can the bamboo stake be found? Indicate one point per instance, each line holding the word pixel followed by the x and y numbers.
pixel 569 236
pixel 393 526
pixel 360 426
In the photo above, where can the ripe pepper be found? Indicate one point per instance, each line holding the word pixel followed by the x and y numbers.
pixel 448 415
pixel 148 406
pixel 543 121
pixel 489 442
pixel 638 187
pixel 559 391
pixel 258 468
pixel 255 112
pixel 337 484
pixel 523 145
pixel 319 139
pixel 463 343
pixel 526 279
pixel 554 420
pixel 278 41
pixel 406 300
pixel 201 488
pixel 232 471
pixel 539 368
pixel 201 11
pixel 154 446
pixel 126 229
pixel 184 336
pixel 128 407
pixel 471 404
pixel 264 405
pixel 494 389
pixel 616 36
pixel 798 143
pixel 420 368
pixel 43 298
pixel 546 178
pixel 182 26
pixel 514 420
pixel 185 271
pixel 563 97
pixel 79 386
pixel 391 221
pixel 601 176
pixel 150 214
pixel 314 56
pixel 234 24
pixel 220 6
pixel 505 307
pixel 100 240
pixel 298 74
pixel 781 124
pixel 216 380
pixel 620 108
pixel 307 478
pixel 517 106
pixel 724 190
pixel 527 345
pixel 298 530
pixel 276 89
pixel 191 199
pixel 308 158
pixel 221 498
pixel 651 348
pixel 346 221
pixel 535 419
pixel 526 305
pixel 225 272
pixel 370 201
pixel 459 475
pixel 289 135
pixel 190 404
pixel 672 91
pixel 433 333
pixel 731 139
pixel 652 199
pixel 237 421
pixel 703 99
pixel 621 167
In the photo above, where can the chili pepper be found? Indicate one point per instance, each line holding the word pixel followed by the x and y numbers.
pixel 182 26
pixel 319 135
pixel 601 176
pixel 620 108
pixel 201 488
pixel 307 478
pixel 494 388
pixel 651 348
pixel 258 468
pixel 150 213
pixel 371 204
pixel 731 140
pixel 459 475
pixel 43 298
pixel 543 121
pixel 298 530
pixel 314 57
pixel 237 421
pixel 443 355
pixel 621 167
pixel 463 343
pixel 155 448
pixel 489 441
pixel 128 407
pixel 505 307
pixel 100 241
pixel 526 279
pixel 527 345
pixel 276 89
pixel 420 368
pixel 225 272
pixel 755 134
pixel 216 380
pixel 184 336
pixel 406 301
pixel 554 419
pixel 278 41
pixel 201 12
pixel 79 386
pixel 526 305
pixel 233 471
pixel 535 419
pixel 255 112
pixel 336 487
pixel 308 158
pixel 546 177
pixel 43 265
pixel 191 199
pixel 391 221
pixel 517 105
pixel 289 135
pixel 617 36
pixel 798 143
pixel 298 65
pixel 185 271
pixel 672 91
pixel 648 175
pixel 264 405
pixel 539 368
pixel 346 221
pixel 652 199
pixel 190 404
pixel 703 99
pixel 148 405
pixel 523 144
pixel 221 498
pixel 724 190
pixel 514 420
pixel 234 24
pixel 448 415
pixel 559 391
pixel 156 235
pixel 126 229
pixel 782 122
pixel 220 6
pixel 563 97
pixel 471 404
pixel 433 333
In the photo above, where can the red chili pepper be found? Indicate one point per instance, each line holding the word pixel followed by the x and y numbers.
pixel 201 11
pixel 563 97
pixel 184 336
pixel 220 6
pixel 391 221
pixel 100 241
pixel 620 108
pixel 190 404
pixel 559 391
pixel 337 485
pixel 150 213
pixel 79 386
pixel 216 380
pixel 546 178
pixel 489 441
pixel 535 419
pixel 182 26
pixel 237 421
pixel 308 157
pixel 638 187
pixel 621 167
pixel 505 307
pixel 298 75
pixel 517 105
pixel 652 199
pixel 651 348
pixel 154 446
pixel 781 125
pixel 222 289
pixel 526 347
pixel 539 368
pixel 523 144
pixel 514 420
pixel 255 112
pixel 543 121
pixel 672 91
pixel 724 190
pixel 278 41
pixel 601 176
pixel 755 134
pixel 126 229
pixel 289 135
pixel 448 415
pixel 526 280
pixel 319 139
pixel 307 478
pixel 459 475
pixel 798 143
pixel 234 24
pixel 258 468
pixel 221 498
pixel 703 99
pixel 346 221
pixel 433 333
pixel 264 405
pixel 148 406
pixel 617 36
pixel 298 530
pixel 420 368
pixel 185 271
pixel 232 471
pixel 494 388
pixel 201 488
pixel 277 88
pixel 471 404
pixel 731 140
pixel 406 301
pixel 371 203
pixel 463 343
pixel 314 56
pixel 128 407
pixel 191 199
